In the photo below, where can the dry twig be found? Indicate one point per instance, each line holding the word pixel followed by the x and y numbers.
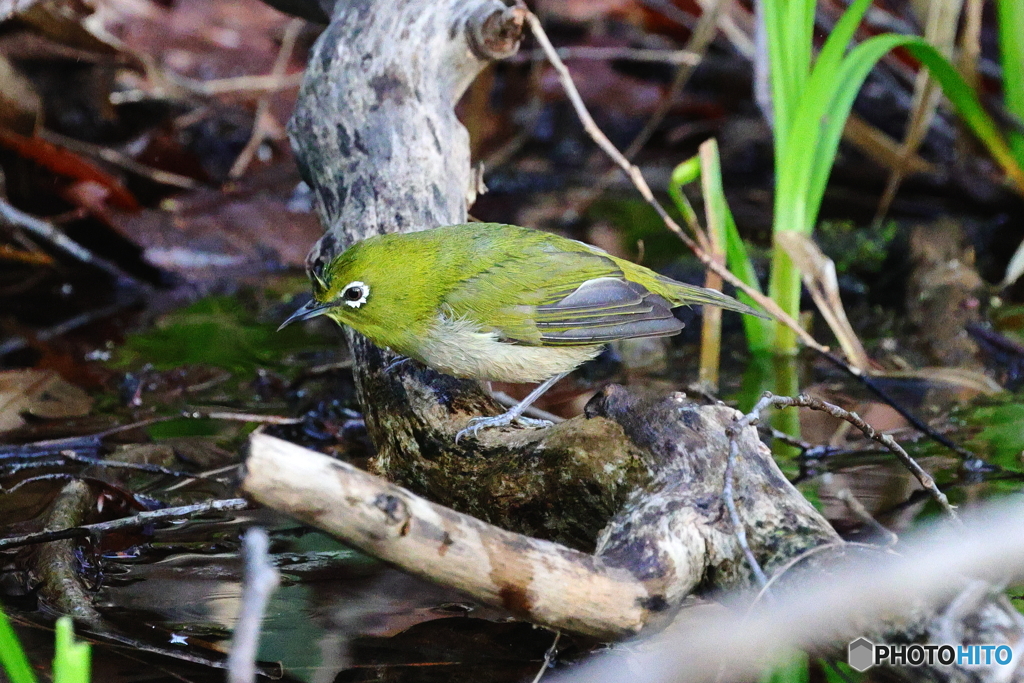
pixel 645 191
pixel 694 51
pixel 196 414
pixel 44 229
pixel 629 54
pixel 549 657
pixel 261 580
pixel 112 156
pixel 141 519
pixel 769 400
pixel 860 512
pixel 259 125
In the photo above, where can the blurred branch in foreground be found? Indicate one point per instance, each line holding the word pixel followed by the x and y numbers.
pixel 842 606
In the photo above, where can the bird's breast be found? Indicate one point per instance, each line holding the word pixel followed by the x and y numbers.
pixel 458 347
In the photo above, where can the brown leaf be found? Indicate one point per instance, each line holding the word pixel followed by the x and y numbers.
pixel 209 235
pixel 66 163
pixel 20 106
pixel 41 393
pixel 819 275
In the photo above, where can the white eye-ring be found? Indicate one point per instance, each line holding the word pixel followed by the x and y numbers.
pixel 355 294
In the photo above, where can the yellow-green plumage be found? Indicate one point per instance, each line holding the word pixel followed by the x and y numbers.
pixel 499 302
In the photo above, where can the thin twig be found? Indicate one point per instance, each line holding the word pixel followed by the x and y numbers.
pixel 628 54
pixel 261 580
pixel 695 48
pixel 730 502
pixel 241 85
pixel 645 191
pixel 769 400
pixel 240 417
pixel 208 474
pixel 46 230
pixel 82 319
pixel 549 657
pixel 264 83
pixel 58 476
pixel 114 464
pixel 860 512
pixel 916 422
pixel 93 441
pixel 112 156
pixel 259 128
pixel 140 519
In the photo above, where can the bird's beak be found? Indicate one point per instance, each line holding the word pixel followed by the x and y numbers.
pixel 310 310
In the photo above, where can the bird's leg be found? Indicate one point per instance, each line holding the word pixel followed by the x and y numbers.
pixel 513 414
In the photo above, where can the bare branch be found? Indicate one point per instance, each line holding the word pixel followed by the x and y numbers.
pixel 261 580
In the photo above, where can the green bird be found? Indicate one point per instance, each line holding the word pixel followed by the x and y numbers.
pixel 498 302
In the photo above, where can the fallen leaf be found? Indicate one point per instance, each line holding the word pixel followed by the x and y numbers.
pixel 41 393
pixel 20 106
pixel 819 275
pixel 66 163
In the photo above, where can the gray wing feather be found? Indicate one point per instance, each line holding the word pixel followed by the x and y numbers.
pixel 606 309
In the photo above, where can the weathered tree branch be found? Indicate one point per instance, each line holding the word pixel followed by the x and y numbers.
pixel 670 539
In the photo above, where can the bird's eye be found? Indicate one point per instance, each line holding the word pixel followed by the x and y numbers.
pixel 355 294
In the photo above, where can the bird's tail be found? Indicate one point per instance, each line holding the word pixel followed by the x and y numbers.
pixel 689 295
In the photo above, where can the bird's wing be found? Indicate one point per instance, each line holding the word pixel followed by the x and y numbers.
pixel 558 297
pixel 604 309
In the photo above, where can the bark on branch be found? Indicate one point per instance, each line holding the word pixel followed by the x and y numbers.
pixel 671 538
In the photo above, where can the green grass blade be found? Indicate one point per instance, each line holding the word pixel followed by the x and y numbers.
pixel 13 658
pixel 72 661
pixel 966 102
pixel 682 175
pixel 803 172
pixel 853 73
pixel 757 330
pixel 795 669
pixel 831 55
pixel 1011 52
pixel 789 27
pixel 828 99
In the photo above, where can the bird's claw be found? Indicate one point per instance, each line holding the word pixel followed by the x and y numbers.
pixel 479 423
pixel 395 364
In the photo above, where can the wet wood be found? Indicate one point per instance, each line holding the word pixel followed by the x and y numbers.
pixel 671 538
pixel 537 580
pixel 57 566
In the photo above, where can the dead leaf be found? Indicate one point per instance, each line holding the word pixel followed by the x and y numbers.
pixel 66 163
pixel 20 106
pixel 211 235
pixel 819 275
pixel 972 382
pixel 1015 268
pixel 11 8
pixel 66 23
pixel 41 393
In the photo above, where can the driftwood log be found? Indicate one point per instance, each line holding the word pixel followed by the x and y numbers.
pixel 601 525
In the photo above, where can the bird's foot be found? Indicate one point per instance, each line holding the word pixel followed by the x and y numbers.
pixel 395 364
pixel 479 423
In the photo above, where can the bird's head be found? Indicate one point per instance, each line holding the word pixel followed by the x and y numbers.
pixel 375 287
pixel 344 290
